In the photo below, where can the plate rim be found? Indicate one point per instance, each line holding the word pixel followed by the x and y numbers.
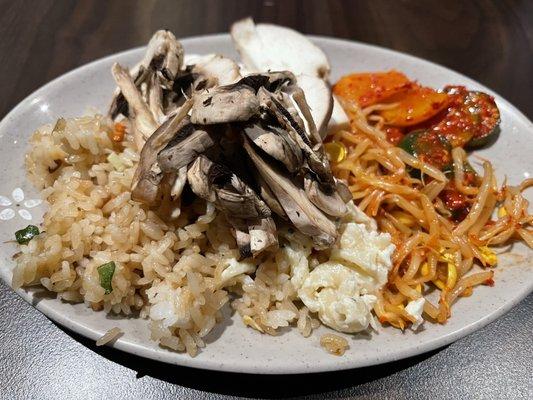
pixel 211 364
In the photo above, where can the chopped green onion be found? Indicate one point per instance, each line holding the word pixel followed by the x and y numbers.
pixel 25 235
pixel 106 272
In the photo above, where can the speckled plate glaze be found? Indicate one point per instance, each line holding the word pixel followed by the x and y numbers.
pixel 232 346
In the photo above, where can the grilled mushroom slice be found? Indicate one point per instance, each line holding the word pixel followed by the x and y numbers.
pixel 262 235
pixel 218 185
pixel 242 237
pixel 254 236
pixel 317 162
pixel 343 190
pixel 164 59
pixel 164 53
pixel 224 104
pixel 148 176
pixel 217 69
pixel 276 143
pixel 319 98
pixel 299 209
pixel 119 104
pixel 185 146
pixel 143 122
pixel 155 98
pixel 270 198
pixel 332 204
pixel 179 183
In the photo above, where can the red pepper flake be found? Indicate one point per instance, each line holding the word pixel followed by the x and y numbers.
pixel 394 135
pixel 489 282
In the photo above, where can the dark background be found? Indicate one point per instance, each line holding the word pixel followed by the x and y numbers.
pixel 491 42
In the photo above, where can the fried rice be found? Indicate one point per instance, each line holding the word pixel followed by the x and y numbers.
pixel 178 273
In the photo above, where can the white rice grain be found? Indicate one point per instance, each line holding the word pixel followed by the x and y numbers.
pixel 110 335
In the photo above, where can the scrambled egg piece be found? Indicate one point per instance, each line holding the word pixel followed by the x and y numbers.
pixel 369 250
pixel 297 257
pixel 335 292
pixel 342 289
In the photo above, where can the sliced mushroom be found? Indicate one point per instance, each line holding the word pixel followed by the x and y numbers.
pixel 265 47
pixel 270 198
pixel 219 70
pixel 332 204
pixel 262 235
pixel 254 236
pixel 143 121
pixel 185 146
pixel 276 143
pixel 119 105
pixel 148 174
pixel 299 209
pixel 343 190
pixel 319 99
pixel 242 237
pixel 318 163
pixel 164 53
pixel 155 98
pixel 297 96
pixel 217 184
pixel 179 183
pixel 224 104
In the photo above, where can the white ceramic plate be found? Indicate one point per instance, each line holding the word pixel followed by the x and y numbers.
pixel 232 347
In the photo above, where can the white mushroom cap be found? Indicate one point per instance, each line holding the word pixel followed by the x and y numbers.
pixel 318 97
pixel 266 47
pixel 224 69
pixel 339 119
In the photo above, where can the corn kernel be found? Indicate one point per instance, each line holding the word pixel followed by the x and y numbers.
pixel 336 151
pixel 424 269
pixel 404 218
pixel 440 284
pixel 489 257
pixel 445 256
pixel 502 212
pixel 452 276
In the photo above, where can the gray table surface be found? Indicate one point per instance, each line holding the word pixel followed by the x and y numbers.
pixel 489 41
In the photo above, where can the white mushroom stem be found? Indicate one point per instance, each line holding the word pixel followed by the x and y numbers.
pixel 144 123
pixel 302 213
